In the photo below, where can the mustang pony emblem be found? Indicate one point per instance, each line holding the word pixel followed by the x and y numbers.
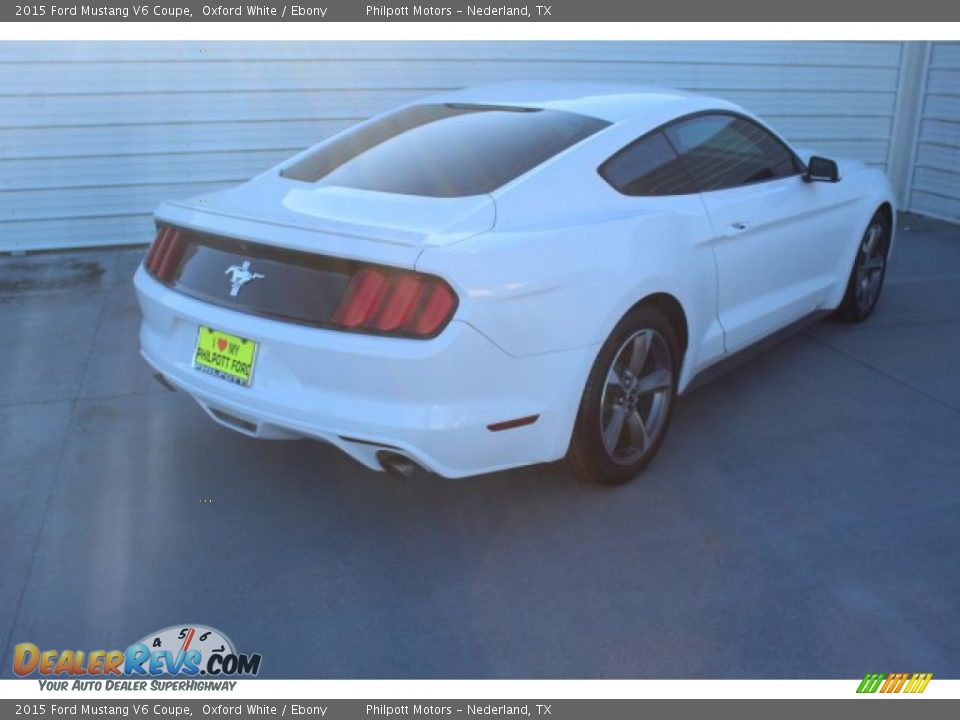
pixel 240 275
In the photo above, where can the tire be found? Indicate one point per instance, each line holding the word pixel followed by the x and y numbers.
pixel 600 453
pixel 868 272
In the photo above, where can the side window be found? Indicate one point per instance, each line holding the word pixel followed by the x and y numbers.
pixel 724 151
pixel 649 166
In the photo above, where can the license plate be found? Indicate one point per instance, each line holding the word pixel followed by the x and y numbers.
pixel 225 356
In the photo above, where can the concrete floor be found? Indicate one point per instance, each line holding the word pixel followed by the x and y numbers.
pixel 802 519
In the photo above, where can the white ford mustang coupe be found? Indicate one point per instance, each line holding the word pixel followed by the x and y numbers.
pixel 504 276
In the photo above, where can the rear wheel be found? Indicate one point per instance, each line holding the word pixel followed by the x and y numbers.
pixel 868 273
pixel 628 400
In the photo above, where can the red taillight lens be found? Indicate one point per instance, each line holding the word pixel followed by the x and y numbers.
pixel 361 300
pixel 401 303
pixel 439 307
pixel 165 254
pixel 404 295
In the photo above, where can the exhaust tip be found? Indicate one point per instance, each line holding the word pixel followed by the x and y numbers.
pixel 397 466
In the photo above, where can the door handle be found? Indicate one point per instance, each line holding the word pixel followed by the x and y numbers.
pixel 735 229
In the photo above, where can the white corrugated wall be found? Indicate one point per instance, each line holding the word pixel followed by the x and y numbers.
pixel 935 181
pixel 94 135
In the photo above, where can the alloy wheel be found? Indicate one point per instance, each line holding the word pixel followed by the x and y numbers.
pixel 871 265
pixel 636 396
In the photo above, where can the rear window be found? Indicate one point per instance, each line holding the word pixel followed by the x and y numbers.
pixel 444 150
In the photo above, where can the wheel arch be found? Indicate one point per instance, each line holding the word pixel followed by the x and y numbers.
pixel 672 308
pixel 580 452
pixel 886 207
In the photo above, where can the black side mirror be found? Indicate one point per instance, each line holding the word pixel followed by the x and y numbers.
pixel 821 169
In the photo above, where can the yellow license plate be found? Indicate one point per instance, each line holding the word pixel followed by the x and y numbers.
pixel 225 356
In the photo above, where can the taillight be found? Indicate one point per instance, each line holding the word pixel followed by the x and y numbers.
pixel 163 257
pixel 395 302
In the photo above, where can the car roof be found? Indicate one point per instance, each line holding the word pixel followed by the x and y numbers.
pixel 613 102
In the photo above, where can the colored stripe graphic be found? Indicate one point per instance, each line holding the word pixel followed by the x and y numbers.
pixel 870 683
pixel 918 683
pixel 894 682
pixel 891 683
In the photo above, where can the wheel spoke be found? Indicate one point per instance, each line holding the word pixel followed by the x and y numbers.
pixel 613 428
pixel 659 379
pixel 613 378
pixel 872 264
pixel 863 285
pixel 638 353
pixel 638 431
pixel 873 234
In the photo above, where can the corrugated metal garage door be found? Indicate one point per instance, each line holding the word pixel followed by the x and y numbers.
pixel 935 185
pixel 94 135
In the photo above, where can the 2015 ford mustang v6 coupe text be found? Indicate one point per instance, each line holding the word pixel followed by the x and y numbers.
pixel 505 276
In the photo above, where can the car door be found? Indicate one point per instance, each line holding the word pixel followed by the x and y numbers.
pixel 654 178
pixel 774 250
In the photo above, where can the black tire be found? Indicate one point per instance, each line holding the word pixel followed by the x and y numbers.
pixel 590 458
pixel 868 273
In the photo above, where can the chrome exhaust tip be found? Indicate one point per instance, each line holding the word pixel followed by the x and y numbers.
pixel 398 466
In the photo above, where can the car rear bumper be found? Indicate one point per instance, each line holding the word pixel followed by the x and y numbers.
pixel 430 400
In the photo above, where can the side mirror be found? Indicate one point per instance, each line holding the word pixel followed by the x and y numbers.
pixel 821 169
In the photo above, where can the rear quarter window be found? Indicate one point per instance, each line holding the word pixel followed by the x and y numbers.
pixel 649 166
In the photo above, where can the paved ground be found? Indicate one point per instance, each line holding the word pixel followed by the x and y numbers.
pixel 801 520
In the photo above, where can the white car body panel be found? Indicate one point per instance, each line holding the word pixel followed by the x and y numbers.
pixel 407 394
pixel 776 254
pixel 544 267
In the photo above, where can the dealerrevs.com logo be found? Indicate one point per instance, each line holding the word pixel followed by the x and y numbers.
pixel 179 650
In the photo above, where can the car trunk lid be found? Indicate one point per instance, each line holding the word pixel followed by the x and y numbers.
pixel 335 219
pixel 296 250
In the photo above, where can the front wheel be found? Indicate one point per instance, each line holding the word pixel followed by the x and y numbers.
pixel 628 400
pixel 868 273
